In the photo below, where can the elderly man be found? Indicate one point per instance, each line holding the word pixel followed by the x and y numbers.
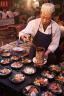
pixel 45 32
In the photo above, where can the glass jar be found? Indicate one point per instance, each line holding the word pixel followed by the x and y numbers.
pixel 40 55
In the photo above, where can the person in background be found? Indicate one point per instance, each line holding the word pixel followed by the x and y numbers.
pixel 16 16
pixel 60 23
pixel 4 15
pixel 45 32
pixel 3 12
pixel 0 16
pixel 9 14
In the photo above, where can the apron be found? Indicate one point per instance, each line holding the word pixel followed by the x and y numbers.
pixel 41 40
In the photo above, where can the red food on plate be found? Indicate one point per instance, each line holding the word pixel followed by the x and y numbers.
pixel 60 79
pixel 6 54
pixel 5 71
pixel 5 61
pixel 30 89
pixel 47 93
pixel 55 87
pixel 48 74
pixel 17 78
pixel 55 68
pixel 41 81
pixel 15 57
pixel 16 65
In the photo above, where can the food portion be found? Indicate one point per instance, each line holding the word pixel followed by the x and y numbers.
pixel 17 78
pixel 26 60
pixel 55 68
pixel 48 74
pixel 41 81
pixel 30 90
pixel 6 54
pixel 47 93
pixel 5 61
pixel 5 71
pixel 15 57
pixel 16 65
pixel 55 87
pixel 29 70
pixel 35 61
pixel 60 78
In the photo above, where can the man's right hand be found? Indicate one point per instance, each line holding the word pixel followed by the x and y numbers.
pixel 26 37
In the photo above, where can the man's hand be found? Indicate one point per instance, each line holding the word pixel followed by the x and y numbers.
pixel 25 37
pixel 47 53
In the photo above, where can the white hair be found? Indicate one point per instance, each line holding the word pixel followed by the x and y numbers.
pixel 48 7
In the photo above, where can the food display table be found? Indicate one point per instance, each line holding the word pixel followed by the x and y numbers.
pixel 41 78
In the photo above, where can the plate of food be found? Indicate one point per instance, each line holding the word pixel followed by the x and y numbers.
pixel 47 74
pixel 39 64
pixel 6 54
pixel 15 57
pixel 31 90
pixel 5 61
pixel 17 78
pixel 26 60
pixel 5 71
pixel 55 88
pixel 55 68
pixel 60 79
pixel 18 49
pixel 16 65
pixel 29 70
pixel 40 81
pixel 47 93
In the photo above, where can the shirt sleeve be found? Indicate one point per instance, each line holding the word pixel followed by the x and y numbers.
pixel 28 30
pixel 61 28
pixel 55 40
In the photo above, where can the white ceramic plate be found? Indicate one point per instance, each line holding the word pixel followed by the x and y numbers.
pixel 18 49
pixel 35 60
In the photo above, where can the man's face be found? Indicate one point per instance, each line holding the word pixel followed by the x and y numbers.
pixel 46 18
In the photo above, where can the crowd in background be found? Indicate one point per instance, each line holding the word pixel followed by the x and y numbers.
pixel 8 13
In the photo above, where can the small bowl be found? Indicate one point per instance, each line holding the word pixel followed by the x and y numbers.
pixel 60 79
pixel 55 69
pixel 47 93
pixel 5 61
pixel 55 88
pixel 5 71
pixel 28 70
pixel 16 65
pixel 40 81
pixel 17 78
pixel 26 61
pixel 47 74
pixel 31 90
pixel 15 57
pixel 6 54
